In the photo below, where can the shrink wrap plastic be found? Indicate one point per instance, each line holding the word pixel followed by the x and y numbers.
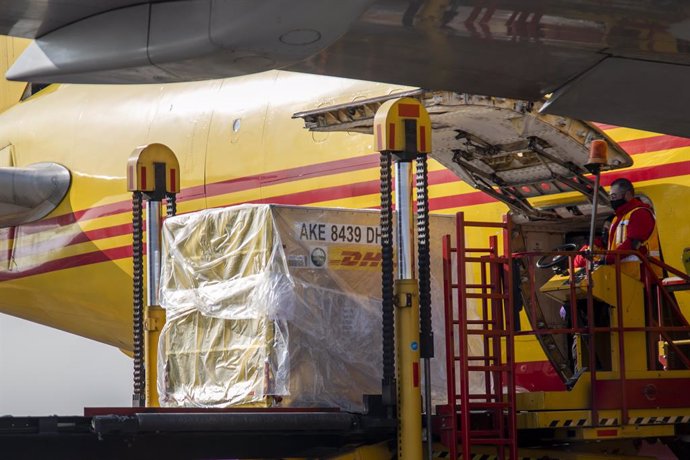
pixel 279 306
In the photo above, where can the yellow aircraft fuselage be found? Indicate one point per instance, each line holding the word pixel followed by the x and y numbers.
pixel 236 142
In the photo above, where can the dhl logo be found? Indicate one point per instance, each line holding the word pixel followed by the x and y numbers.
pixel 349 258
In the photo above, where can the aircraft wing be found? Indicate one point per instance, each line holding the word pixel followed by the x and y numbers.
pixel 33 18
pixel 623 62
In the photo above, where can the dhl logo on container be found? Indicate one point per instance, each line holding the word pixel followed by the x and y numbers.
pixel 354 258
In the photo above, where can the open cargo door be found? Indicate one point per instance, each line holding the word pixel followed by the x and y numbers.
pixel 503 147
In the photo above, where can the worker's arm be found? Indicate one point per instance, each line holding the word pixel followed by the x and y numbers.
pixel 580 260
pixel 639 229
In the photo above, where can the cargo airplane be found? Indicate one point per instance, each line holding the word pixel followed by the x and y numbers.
pixel 66 223
pixel 66 217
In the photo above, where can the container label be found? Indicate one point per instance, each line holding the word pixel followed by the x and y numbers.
pixel 338 233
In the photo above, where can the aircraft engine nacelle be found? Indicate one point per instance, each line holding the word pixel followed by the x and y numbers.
pixel 31 193
pixel 171 41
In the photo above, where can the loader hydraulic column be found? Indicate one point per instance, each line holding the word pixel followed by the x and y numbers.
pixel 402 132
pixel 153 174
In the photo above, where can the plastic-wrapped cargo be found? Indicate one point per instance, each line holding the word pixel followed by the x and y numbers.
pixel 278 306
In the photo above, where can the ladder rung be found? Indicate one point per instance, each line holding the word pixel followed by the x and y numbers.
pixel 488 435
pixel 488 368
pixel 489 250
pixel 478 259
pixel 487 296
pixel 482 395
pixel 476 396
pixel 481 322
pixel 485 433
pixel 489 405
pixel 493 332
pixel 486 260
pixel 477 223
pixel 479 286
pixel 477 321
pixel 492 441
pixel 475 358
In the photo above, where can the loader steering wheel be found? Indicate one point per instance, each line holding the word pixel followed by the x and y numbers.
pixel 549 261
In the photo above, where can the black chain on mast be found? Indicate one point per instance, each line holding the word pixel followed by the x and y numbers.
pixel 424 259
pixel 171 204
pixel 387 291
pixel 139 394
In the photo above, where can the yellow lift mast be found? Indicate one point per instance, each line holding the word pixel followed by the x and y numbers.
pixel 153 174
pixel 402 133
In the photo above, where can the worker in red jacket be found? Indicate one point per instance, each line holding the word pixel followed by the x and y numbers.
pixel 633 228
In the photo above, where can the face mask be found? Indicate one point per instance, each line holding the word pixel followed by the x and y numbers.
pixel 615 204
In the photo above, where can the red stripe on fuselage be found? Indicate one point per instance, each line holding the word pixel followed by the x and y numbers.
pixel 71 262
pixel 358 189
pixel 85 214
pixel 654 144
pixel 604 126
pixel 662 171
pixel 337 192
pixel 457 201
pixel 292 174
pixel 59 241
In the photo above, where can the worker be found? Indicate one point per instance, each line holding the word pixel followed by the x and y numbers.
pixel 633 228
